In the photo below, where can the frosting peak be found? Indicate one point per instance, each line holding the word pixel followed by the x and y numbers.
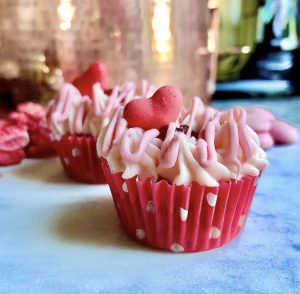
pixel 203 145
pixel 74 113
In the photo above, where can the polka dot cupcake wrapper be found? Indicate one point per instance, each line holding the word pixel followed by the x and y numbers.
pixel 79 158
pixel 181 218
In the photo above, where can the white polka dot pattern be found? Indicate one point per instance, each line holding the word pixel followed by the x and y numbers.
pixel 214 233
pixel 211 199
pixel 140 233
pixel 75 152
pixel 183 214
pixel 242 220
pixel 124 187
pixel 150 207
pixel 176 248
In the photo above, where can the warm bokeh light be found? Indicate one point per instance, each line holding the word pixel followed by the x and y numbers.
pixel 65 11
pixel 213 4
pixel 211 34
pixel 162 36
pixel 246 49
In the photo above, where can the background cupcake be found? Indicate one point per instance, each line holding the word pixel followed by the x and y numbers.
pixel 34 116
pixel 13 139
pixel 78 114
pixel 184 181
pixel 23 133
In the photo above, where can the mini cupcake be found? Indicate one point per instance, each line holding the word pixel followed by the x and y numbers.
pixel 23 133
pixel 78 114
pixel 181 181
pixel 34 116
pixel 13 139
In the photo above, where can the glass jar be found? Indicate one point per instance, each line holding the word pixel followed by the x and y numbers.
pixel 163 41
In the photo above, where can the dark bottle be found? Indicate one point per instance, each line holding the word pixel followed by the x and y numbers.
pixel 273 68
pixel 277 57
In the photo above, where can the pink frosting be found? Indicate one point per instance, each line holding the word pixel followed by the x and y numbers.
pixel 33 110
pixel 134 157
pixel 73 113
pixel 225 147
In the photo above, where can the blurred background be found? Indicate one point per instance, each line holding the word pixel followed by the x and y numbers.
pixel 213 49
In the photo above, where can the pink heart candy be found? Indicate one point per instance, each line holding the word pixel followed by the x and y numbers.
pixel 156 112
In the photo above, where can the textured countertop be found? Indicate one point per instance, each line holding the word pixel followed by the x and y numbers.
pixel 57 236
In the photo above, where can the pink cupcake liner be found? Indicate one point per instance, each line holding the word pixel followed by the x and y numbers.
pixel 79 158
pixel 181 218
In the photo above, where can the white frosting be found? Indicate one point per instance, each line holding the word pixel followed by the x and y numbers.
pixel 187 169
pixel 252 166
pixel 73 113
pixel 226 148
pixel 145 167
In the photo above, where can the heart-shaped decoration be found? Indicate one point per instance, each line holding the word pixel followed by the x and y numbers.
pixel 156 112
pixel 96 73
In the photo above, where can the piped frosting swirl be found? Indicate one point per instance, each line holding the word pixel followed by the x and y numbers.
pixel 73 113
pixel 216 146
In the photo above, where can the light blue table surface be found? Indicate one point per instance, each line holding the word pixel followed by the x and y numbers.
pixel 57 236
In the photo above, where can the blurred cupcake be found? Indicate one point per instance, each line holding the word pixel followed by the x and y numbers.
pixel 34 116
pixel 23 133
pixel 78 114
pixel 181 180
pixel 13 139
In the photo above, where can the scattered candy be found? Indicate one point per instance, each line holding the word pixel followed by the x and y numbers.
pixel 283 132
pixel 270 129
pixel 266 140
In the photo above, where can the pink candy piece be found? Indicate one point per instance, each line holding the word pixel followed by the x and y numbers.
pixel 260 119
pixel 270 129
pixel 283 133
pixel 266 140
pixel 156 112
